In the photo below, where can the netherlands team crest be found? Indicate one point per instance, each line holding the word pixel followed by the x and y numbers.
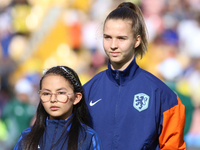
pixel 141 101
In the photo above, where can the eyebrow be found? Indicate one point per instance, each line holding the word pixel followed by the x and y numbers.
pixel 106 35
pixel 123 36
pixel 120 36
pixel 56 90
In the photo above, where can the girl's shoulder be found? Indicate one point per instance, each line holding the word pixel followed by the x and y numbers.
pixel 91 137
pixel 88 129
pixel 26 131
pixel 22 137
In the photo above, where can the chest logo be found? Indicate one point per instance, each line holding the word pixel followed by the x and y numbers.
pixel 141 101
pixel 93 103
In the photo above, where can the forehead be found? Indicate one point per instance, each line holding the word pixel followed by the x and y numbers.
pixel 54 81
pixel 118 26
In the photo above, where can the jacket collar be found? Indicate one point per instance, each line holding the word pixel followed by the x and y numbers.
pixel 59 122
pixel 122 77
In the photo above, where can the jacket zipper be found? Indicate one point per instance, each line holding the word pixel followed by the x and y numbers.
pixel 118 78
pixel 54 136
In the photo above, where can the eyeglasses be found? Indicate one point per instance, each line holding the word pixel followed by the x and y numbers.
pixel 60 96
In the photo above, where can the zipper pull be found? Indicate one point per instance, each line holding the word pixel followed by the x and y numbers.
pixel 117 75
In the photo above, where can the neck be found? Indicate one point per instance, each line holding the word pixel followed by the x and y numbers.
pixel 120 66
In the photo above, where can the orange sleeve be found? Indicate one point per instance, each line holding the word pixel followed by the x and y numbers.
pixel 173 128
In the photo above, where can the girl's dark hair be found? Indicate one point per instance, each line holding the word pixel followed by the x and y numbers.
pixel 130 11
pixel 79 116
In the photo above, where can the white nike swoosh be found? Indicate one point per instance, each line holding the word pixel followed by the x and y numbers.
pixel 93 103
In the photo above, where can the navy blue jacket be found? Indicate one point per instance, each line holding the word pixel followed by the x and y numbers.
pixel 134 110
pixel 53 132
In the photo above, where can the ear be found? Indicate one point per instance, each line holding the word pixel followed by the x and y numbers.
pixel 78 97
pixel 137 41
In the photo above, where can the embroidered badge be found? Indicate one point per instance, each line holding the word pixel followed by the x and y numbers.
pixel 141 101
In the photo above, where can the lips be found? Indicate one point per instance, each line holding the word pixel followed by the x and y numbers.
pixel 54 108
pixel 114 54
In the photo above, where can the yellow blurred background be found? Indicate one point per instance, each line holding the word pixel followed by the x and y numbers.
pixel 38 34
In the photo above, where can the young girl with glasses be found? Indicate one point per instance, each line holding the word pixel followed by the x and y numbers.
pixel 62 119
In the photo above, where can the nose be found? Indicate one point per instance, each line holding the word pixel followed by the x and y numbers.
pixel 53 97
pixel 113 44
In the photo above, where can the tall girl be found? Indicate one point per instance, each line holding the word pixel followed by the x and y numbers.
pixel 139 111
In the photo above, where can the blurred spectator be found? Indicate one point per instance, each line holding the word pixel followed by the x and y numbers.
pixel 73 22
pixel 18 113
pixel 193 77
pixel 7 66
pixel 171 70
pixel 192 139
pixel 189 33
pixel 89 34
pixel 5 29
pixel 20 10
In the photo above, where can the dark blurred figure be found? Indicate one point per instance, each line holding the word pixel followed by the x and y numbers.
pixel 17 113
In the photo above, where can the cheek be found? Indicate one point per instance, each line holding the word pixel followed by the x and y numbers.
pixel 70 102
pixel 105 44
pixel 128 47
pixel 45 105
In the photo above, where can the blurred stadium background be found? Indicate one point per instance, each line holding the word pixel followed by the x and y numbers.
pixel 38 34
